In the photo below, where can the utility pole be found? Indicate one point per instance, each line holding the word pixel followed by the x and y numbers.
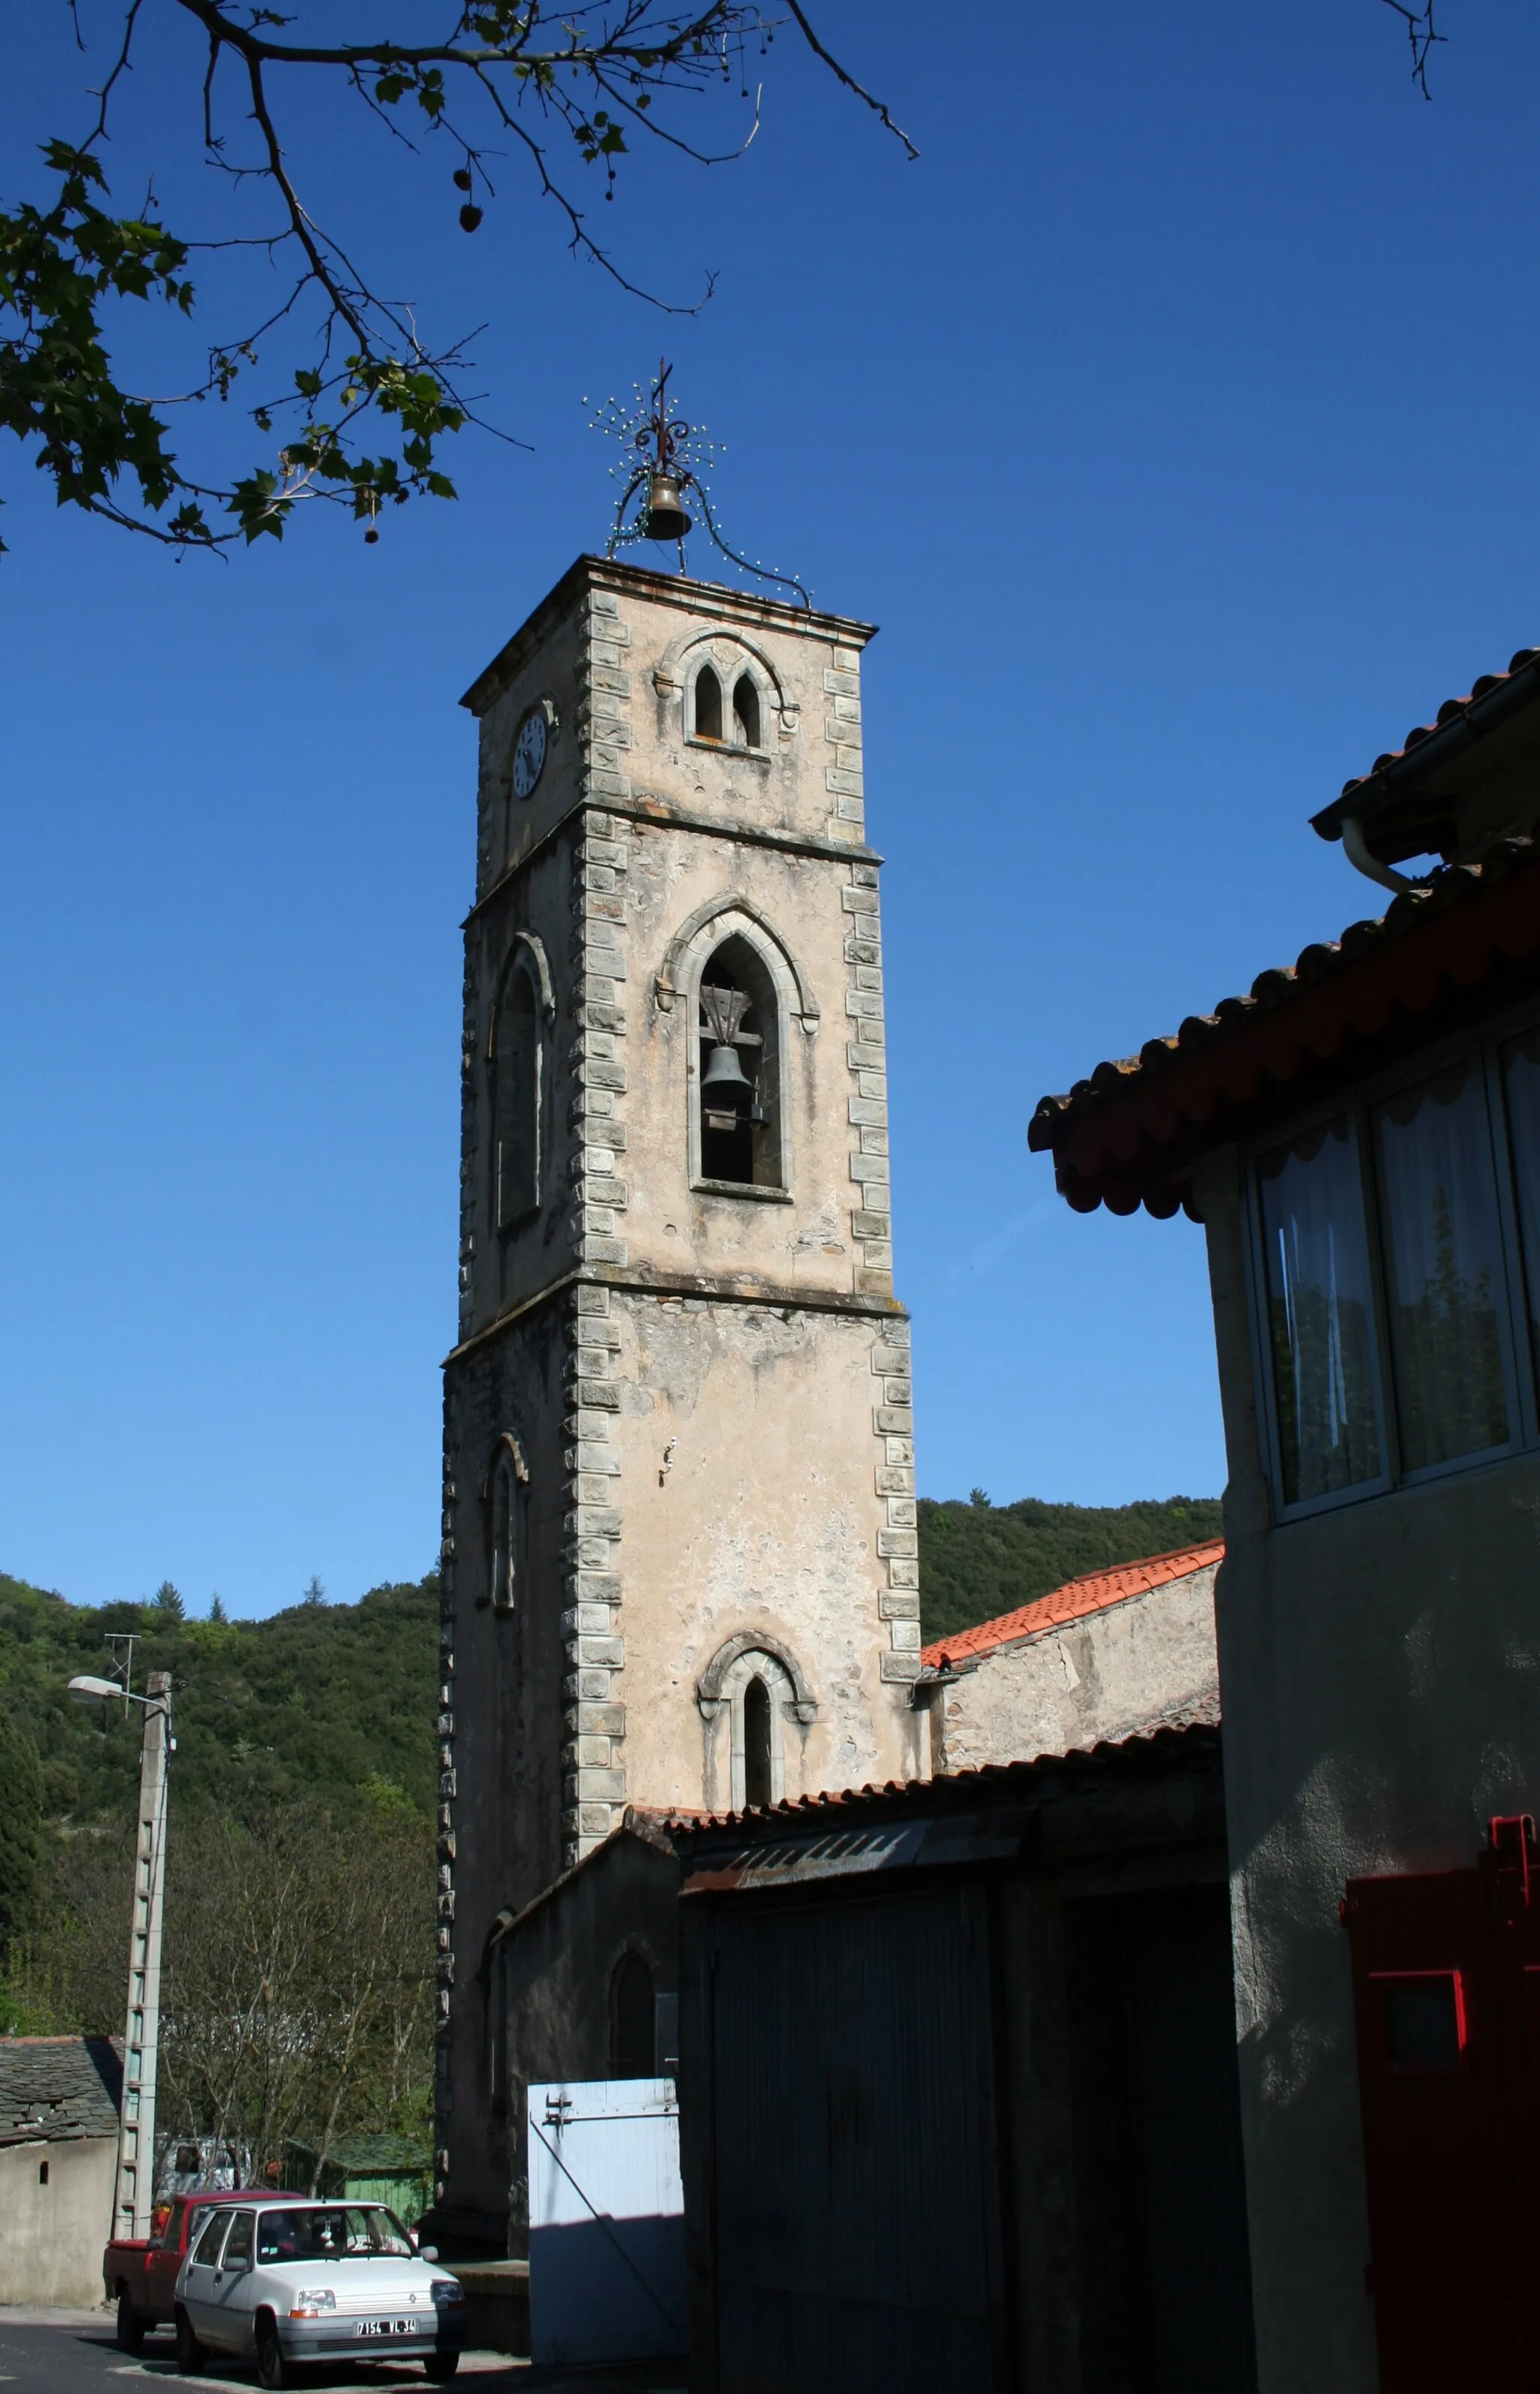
pixel 135 2184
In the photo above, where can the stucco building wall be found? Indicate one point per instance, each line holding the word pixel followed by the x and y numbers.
pixel 52 2234
pixel 1145 1662
pixel 1381 1669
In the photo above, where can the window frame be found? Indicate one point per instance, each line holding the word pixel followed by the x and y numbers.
pixel 709 941
pixel 1521 1371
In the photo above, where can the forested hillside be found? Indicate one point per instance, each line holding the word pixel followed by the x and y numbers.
pixel 299 1931
pixel 300 1920
pixel 330 1701
pixel 978 1559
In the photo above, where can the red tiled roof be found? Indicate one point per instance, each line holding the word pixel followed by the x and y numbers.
pixel 1490 699
pixel 1158 1746
pixel 1093 1592
pixel 1128 1135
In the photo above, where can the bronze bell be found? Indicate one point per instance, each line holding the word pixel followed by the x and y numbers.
pixel 666 518
pixel 723 1082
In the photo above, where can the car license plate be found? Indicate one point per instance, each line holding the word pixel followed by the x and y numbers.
pixel 386 2327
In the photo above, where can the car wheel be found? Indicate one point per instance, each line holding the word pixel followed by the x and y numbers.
pixel 189 2353
pixel 271 2367
pixel 130 2326
pixel 440 2367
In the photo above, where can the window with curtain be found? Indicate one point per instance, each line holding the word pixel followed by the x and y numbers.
pixel 1443 1267
pixel 1319 1308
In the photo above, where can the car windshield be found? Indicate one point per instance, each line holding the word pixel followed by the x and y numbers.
pixel 330 2231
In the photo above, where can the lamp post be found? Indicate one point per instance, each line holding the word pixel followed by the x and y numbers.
pixel 135 2195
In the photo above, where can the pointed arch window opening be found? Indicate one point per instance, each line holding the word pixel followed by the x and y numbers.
pixel 760 1701
pixel 745 711
pixel 738 1093
pixel 507 1528
pixel 707 711
pixel 721 723
pixel 757 1741
pixel 518 1099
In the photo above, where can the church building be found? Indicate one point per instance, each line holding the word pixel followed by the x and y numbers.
pixel 680 1557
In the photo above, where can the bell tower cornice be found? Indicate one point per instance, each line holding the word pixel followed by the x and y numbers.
pixel 716 600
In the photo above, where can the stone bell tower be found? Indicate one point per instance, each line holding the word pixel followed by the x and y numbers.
pixel 679 1542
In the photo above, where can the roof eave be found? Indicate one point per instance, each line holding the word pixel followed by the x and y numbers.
pixel 1402 776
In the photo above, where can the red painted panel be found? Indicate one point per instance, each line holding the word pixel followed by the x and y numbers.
pixel 1445 1968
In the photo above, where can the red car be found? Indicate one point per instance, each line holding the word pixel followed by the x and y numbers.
pixel 140 2273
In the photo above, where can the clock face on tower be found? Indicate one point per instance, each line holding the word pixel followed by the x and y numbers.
pixel 529 752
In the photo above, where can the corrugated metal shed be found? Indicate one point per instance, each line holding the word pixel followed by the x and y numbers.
pixel 960 2104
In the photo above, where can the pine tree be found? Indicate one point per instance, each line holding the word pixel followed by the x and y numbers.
pixel 168 1604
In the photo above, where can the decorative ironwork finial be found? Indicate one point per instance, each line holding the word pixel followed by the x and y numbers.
pixel 663 459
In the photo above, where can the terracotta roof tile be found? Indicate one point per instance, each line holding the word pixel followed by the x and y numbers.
pixel 1154 1747
pixel 1093 1592
pixel 1364 790
pixel 1123 1134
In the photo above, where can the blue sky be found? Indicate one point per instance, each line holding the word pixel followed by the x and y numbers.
pixel 1174 419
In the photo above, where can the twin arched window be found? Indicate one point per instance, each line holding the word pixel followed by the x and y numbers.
pixel 517 1097
pixel 708 711
pixel 739 1092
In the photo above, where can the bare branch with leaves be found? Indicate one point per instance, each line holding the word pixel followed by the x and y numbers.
pixel 574 88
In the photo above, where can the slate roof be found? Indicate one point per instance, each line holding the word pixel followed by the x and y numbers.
pixel 1092 1592
pixel 53 2088
pixel 1125 1136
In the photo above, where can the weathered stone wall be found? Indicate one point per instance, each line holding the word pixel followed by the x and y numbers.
pixel 707 1388
pixel 1145 1662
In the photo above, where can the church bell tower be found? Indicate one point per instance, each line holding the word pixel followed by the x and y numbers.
pixel 679 1525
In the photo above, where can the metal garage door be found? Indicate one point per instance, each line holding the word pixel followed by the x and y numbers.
pixel 854 2169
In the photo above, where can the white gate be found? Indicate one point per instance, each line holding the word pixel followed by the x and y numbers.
pixel 606 2279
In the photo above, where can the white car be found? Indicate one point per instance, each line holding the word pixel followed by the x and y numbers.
pixel 295 2283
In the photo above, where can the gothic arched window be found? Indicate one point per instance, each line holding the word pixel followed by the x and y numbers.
pixel 707 718
pixel 738 1084
pixel 632 2042
pixel 507 1525
pixel 516 1102
pixel 745 711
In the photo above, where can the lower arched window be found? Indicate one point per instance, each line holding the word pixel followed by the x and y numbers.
pixel 758 1743
pixel 632 2038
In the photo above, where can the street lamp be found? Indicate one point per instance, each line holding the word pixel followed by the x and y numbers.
pixel 135 2195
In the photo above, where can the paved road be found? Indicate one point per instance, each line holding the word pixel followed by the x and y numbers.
pixel 76 2353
